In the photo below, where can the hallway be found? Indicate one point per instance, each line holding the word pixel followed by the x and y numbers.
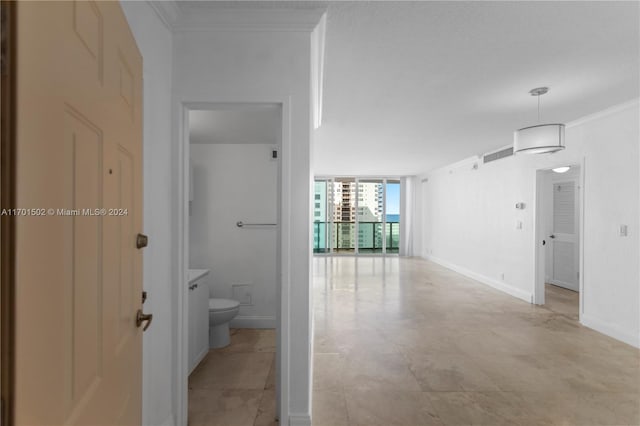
pixel 406 341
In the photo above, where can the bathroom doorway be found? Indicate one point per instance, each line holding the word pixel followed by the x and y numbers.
pixel 234 153
pixel 559 239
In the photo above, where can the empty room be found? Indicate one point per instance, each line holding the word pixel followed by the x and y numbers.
pixel 327 213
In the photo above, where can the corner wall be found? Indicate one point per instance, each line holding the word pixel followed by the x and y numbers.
pixel 158 382
pixel 247 66
pixel 468 219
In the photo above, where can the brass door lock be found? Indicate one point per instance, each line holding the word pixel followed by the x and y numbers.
pixel 142 241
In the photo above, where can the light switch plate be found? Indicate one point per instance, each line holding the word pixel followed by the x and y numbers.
pixel 624 231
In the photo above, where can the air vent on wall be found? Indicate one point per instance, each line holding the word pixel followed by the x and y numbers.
pixel 507 152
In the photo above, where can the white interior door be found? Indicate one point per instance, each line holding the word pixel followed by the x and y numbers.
pixel 564 237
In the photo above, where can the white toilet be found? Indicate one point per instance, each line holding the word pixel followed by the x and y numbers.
pixel 221 312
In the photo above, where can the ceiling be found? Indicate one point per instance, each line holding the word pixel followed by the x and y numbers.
pixel 236 124
pixel 412 86
pixel 187 6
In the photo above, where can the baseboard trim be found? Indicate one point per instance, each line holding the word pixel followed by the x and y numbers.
pixel 253 322
pixel 610 330
pixel 561 284
pixel 299 420
pixel 498 285
pixel 169 421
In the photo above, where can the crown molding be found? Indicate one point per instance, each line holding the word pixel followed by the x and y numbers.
pixel 246 20
pixel 167 11
pixel 178 18
pixel 604 113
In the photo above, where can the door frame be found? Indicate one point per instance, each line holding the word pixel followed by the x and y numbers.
pixel 539 233
pixel 8 145
pixel 283 268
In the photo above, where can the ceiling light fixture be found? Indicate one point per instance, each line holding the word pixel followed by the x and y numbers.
pixel 541 138
pixel 563 169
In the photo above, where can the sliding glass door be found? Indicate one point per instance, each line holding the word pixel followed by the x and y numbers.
pixel 392 216
pixel 344 215
pixel 321 234
pixel 370 216
pixel 356 215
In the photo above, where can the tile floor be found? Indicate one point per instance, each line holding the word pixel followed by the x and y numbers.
pixel 235 386
pixel 562 301
pixel 406 342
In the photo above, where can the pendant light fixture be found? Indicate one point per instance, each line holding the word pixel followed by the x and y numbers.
pixel 541 138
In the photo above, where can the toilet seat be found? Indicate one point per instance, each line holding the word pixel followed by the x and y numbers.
pixel 219 305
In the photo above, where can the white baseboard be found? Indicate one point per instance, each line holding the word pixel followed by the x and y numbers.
pixel 299 420
pixel 253 322
pixel 498 285
pixel 561 284
pixel 169 421
pixel 611 330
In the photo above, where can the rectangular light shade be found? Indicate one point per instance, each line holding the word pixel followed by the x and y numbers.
pixel 539 139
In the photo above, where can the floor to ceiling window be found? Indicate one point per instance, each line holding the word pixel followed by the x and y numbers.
pixel 356 215
pixel 392 216
pixel 343 212
pixel 320 217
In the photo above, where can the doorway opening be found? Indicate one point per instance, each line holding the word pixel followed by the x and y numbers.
pixel 232 246
pixel 559 239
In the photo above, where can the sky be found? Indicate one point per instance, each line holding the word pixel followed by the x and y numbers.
pixel 393 198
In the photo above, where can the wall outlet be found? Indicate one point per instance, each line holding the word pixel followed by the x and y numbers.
pixel 242 293
pixel 502 276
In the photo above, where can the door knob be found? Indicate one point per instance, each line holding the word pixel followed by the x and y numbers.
pixel 141 241
pixel 552 236
pixel 143 318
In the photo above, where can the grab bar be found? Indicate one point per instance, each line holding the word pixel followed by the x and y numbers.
pixel 241 224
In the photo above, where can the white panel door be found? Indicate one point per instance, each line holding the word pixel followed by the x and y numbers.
pixel 564 239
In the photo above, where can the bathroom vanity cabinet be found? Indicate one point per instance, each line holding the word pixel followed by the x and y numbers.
pixel 198 316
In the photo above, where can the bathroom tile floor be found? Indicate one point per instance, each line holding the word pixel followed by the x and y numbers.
pixel 401 341
pixel 235 386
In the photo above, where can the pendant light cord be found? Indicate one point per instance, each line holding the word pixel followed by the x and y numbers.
pixel 538 109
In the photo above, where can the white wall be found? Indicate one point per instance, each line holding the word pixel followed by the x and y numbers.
pixel 233 182
pixel 219 66
pixel 155 43
pixel 468 219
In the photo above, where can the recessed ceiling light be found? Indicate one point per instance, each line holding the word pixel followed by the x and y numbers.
pixel 562 169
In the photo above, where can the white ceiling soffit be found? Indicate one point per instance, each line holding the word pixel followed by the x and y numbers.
pixel 413 86
pixel 251 124
pixel 213 15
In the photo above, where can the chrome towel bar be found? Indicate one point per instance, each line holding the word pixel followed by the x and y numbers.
pixel 241 224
